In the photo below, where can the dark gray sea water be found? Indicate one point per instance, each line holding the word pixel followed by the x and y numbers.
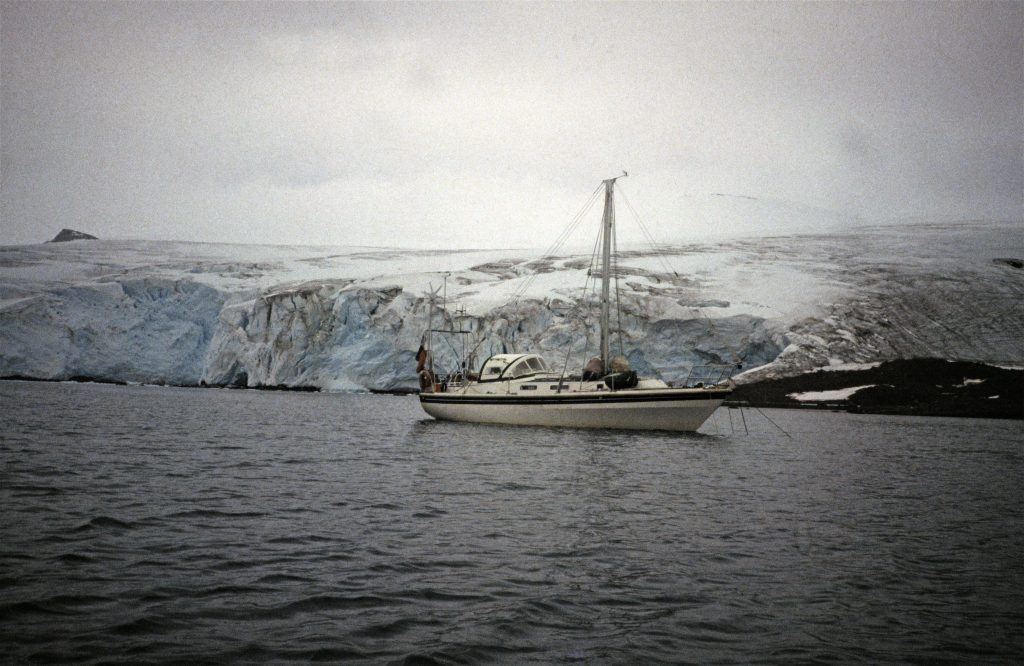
pixel 146 524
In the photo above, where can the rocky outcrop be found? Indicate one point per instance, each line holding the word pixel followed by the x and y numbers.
pixel 71 235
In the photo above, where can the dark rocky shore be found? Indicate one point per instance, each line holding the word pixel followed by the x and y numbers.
pixel 923 387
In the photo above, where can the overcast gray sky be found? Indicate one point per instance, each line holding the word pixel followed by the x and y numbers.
pixel 483 124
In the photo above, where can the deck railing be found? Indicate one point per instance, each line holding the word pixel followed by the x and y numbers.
pixel 707 375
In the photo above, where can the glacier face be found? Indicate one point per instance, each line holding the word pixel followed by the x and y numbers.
pixel 324 335
pixel 140 329
pixel 352 318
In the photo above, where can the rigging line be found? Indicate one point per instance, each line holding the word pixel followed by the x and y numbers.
pixel 567 232
pixel 589 283
pixel 573 222
pixel 772 422
pixel 593 260
pixel 559 242
pixel 618 303
pixel 737 358
pixel 586 330
pixel 564 380
pixel 565 366
pixel 476 346
pixel 454 352
pixel 659 252
pixel 593 254
pixel 576 219
pixel 582 318
pixel 587 321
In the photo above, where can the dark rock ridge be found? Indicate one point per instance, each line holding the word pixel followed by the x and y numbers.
pixel 70 235
pixel 920 386
pixel 1009 261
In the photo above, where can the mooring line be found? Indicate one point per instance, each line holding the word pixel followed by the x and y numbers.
pixel 773 422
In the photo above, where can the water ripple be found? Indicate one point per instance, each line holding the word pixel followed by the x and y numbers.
pixel 275 527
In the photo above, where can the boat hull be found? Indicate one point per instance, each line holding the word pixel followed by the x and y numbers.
pixel 682 410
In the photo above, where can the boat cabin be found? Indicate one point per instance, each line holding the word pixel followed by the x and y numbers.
pixel 512 366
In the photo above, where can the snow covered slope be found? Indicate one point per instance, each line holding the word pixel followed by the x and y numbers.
pixel 351 318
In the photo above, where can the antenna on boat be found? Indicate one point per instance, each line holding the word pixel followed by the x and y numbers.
pixel 431 302
pixel 444 298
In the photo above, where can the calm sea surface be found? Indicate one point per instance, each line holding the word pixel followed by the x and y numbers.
pixel 144 524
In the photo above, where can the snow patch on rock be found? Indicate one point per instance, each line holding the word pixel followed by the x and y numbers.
pixel 827 396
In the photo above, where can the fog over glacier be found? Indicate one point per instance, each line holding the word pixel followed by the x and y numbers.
pixel 352 318
pixel 478 124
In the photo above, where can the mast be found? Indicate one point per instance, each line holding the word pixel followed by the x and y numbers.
pixel 608 224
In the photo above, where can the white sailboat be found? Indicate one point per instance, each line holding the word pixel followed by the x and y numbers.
pixel 522 389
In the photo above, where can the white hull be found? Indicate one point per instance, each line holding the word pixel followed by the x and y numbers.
pixel 660 412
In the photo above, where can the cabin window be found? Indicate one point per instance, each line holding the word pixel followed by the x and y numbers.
pixel 535 364
pixel 520 369
pixel 528 387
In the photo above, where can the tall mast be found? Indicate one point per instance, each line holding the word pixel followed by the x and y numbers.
pixel 608 222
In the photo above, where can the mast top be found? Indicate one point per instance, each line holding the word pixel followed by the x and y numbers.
pixel 610 181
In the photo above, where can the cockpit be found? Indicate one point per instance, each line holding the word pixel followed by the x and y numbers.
pixel 512 366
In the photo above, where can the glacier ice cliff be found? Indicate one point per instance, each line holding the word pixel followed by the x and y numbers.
pixel 352 318
pixel 139 329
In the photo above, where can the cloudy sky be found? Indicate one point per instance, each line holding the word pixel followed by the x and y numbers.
pixel 485 124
